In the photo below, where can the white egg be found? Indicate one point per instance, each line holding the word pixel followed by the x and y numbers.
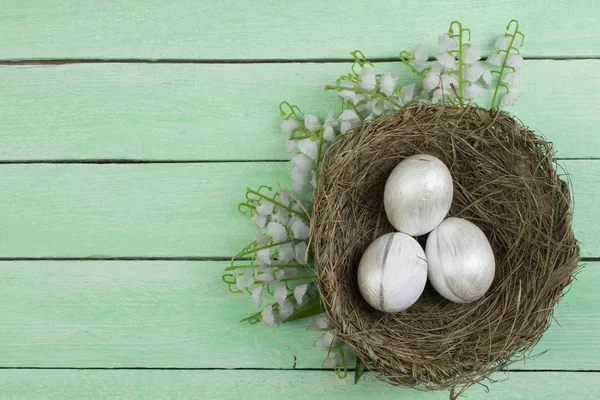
pixel 461 260
pixel 418 194
pixel 392 272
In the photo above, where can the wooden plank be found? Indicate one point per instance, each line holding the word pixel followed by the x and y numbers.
pixel 229 30
pixel 223 385
pixel 228 112
pixel 170 210
pixel 177 314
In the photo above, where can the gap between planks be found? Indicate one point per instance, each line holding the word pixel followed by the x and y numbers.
pixel 62 61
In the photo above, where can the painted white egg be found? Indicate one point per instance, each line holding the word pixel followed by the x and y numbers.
pixel 392 272
pixel 418 194
pixel 461 260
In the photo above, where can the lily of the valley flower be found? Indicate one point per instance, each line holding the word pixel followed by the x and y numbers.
pixel 325 341
pixel 311 122
pixel 447 60
pixel 347 118
pixel 289 125
pixel 472 91
pixel 445 42
pixel 510 98
pixel 269 317
pixel 503 42
pixel 244 279
pixel 277 231
pixel 309 147
pixel 257 295
pixel 515 61
pixel 300 253
pixel 512 79
pixel 285 252
pixel 319 322
pixel 300 293
pixel 471 54
pixel 332 362
pixel 420 55
pixel 388 83
pixel 368 79
pixel 495 59
pixel 300 229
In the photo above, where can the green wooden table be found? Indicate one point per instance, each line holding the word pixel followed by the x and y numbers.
pixel 129 131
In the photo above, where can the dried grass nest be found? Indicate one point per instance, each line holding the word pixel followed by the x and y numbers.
pixel 505 181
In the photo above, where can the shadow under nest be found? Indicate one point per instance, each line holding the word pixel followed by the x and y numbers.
pixel 505 181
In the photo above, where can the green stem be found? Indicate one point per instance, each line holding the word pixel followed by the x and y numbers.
pixel 512 40
pixel 234 267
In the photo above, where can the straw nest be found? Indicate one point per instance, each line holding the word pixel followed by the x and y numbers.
pixel 505 182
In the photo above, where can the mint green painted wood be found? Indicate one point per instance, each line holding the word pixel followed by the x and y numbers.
pixel 234 385
pixel 179 314
pixel 170 210
pixel 224 112
pixel 156 29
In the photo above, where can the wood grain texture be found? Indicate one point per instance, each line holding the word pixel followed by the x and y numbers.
pixel 171 210
pixel 282 30
pixel 224 385
pixel 165 314
pixel 229 112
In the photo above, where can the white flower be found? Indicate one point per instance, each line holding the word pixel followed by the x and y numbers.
pixel 330 120
pixel 495 59
pixel 447 60
pixel 332 363
pixel 286 309
pixel 282 216
pixel 347 93
pixel 311 121
pixel 420 54
pixel 284 197
pixel 257 295
pixel 347 118
pixel 303 162
pixel 325 341
pixel 408 92
pixel 473 72
pixel 300 177
pixel 329 133
pixel 263 257
pixel 486 77
pixel 309 147
pixel 301 253
pixel 291 145
pixel 280 294
pixel 277 231
pixel 377 106
pixel 265 207
pixel 300 293
pixel 289 125
pixel 269 317
pixel 503 42
pixel 438 95
pixel 471 54
pixel 448 79
pixel 313 178
pixel 259 220
pixel 388 82
pixel 300 229
pixel 431 81
pixel 301 188
pixel 260 237
pixel 445 42
pixel 516 61
pixel 509 98
pixel 512 79
pixel 244 278
pixel 319 322
pixel 473 91
pixel 285 253
pixel 368 79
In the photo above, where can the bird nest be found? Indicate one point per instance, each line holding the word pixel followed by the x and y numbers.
pixel 505 181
